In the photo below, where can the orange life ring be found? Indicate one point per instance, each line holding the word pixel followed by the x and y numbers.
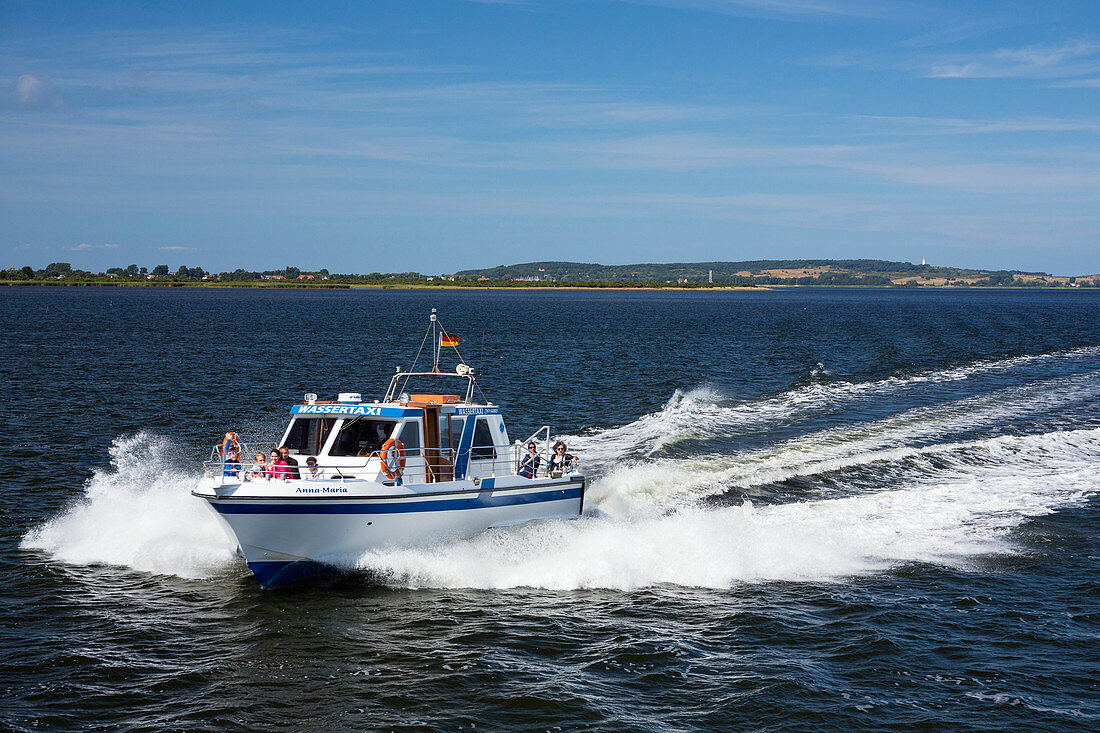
pixel 231 441
pixel 393 458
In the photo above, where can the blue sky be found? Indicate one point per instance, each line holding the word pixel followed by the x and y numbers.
pixel 436 136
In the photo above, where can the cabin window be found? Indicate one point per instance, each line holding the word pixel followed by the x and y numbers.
pixel 361 437
pixel 455 432
pixel 410 436
pixel 483 441
pixel 307 435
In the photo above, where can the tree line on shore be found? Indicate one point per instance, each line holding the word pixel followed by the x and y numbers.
pixel 873 273
pixel 65 271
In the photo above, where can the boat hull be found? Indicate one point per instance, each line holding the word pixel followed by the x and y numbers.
pixel 287 539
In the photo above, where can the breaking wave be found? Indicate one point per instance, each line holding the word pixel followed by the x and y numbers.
pixel 140 514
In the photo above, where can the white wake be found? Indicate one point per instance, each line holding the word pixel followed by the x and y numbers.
pixel 702 413
pixel 947 520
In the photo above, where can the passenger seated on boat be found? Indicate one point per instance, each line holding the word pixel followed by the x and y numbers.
pixel 260 468
pixel 313 473
pixel 560 462
pixel 231 462
pixel 529 466
pixel 278 467
pixel 292 465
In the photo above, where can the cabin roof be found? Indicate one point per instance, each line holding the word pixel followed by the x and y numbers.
pixel 388 409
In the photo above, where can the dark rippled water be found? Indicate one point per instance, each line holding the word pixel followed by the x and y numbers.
pixel 810 509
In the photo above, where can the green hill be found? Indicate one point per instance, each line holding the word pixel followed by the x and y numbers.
pixel 767 272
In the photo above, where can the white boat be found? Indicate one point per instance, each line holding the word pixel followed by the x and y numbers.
pixel 410 469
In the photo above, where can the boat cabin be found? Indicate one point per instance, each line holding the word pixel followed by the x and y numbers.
pixel 442 437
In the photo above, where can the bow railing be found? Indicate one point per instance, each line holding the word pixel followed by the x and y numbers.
pixel 421 464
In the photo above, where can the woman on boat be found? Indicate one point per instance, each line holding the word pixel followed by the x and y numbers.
pixel 529 466
pixel 560 461
pixel 278 467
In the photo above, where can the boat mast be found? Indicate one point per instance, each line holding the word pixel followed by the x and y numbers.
pixel 436 342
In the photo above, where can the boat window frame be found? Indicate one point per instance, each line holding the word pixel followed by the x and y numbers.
pixel 322 443
pixel 337 430
pixel 400 433
pixel 455 424
pixel 483 452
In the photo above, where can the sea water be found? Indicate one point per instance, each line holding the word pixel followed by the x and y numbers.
pixel 807 509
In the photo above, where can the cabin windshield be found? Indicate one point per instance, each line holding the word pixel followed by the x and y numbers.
pixel 307 435
pixel 361 437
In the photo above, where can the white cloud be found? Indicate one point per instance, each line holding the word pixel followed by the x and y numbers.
pixel 84 246
pixel 914 125
pixel 1079 84
pixel 855 8
pixel 176 248
pixel 33 92
pixel 1073 58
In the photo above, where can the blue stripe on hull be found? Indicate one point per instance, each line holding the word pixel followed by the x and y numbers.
pixel 481 501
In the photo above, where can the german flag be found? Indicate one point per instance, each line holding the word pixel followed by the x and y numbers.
pixel 448 340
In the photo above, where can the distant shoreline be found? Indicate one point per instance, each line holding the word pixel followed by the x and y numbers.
pixel 249 285
pixel 677 276
pixel 368 286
